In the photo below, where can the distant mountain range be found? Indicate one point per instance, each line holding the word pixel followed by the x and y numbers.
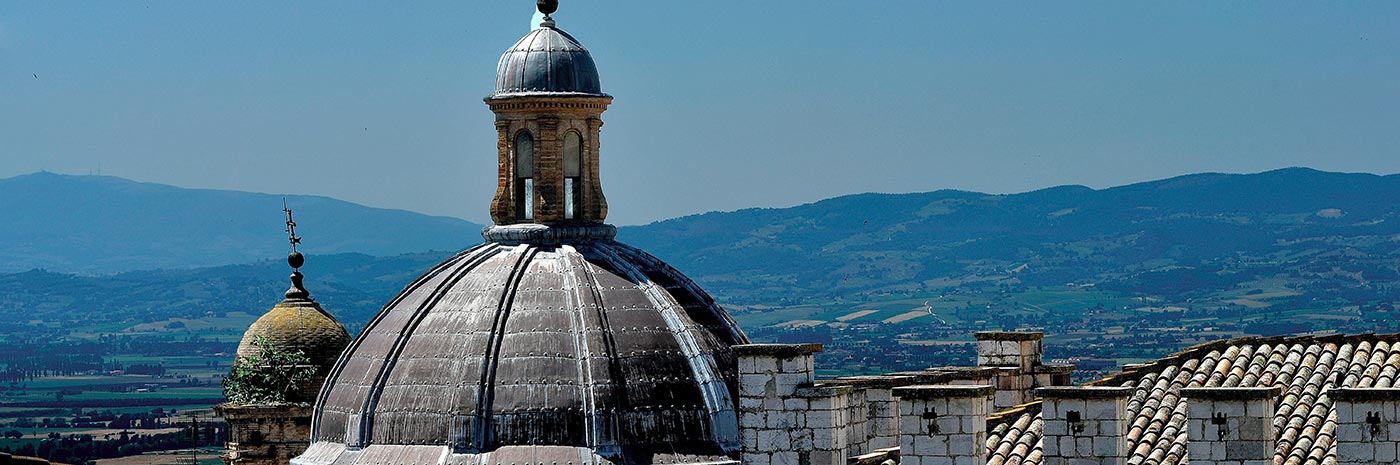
pixel 104 224
pixel 1180 232
pixel 352 286
pixel 1329 233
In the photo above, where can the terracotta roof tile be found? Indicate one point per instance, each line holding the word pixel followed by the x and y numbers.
pixel 1304 367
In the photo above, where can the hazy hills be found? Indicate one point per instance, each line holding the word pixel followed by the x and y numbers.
pixel 1333 235
pixel 103 224
pixel 1201 224
pixel 352 286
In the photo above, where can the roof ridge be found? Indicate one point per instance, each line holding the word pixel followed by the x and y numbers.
pixel 1010 414
pixel 1195 351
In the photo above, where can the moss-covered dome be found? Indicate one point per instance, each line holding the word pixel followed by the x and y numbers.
pixel 298 323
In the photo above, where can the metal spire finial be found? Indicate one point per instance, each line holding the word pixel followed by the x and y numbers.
pixel 548 7
pixel 292 237
pixel 295 259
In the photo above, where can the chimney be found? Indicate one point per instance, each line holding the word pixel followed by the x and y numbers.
pixel 783 418
pixel 1368 425
pixel 1008 349
pixel 1083 425
pixel 1015 358
pixel 1230 426
pixel 943 424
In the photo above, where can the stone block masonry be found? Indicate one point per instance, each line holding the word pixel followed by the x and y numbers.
pixel 1014 359
pixel 266 434
pixel 1230 426
pixel 1368 425
pixel 1008 349
pixel 943 424
pixel 881 408
pixel 784 419
pixel 1085 425
pixel 857 414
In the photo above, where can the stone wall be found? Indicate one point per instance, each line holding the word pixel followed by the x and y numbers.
pixel 1085 425
pixel 265 434
pixel 1008 349
pixel 943 424
pixel 1230 426
pixel 1014 359
pixel 857 414
pixel 1368 425
pixel 784 419
pixel 881 408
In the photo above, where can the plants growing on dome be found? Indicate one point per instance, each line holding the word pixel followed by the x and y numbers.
pixel 268 375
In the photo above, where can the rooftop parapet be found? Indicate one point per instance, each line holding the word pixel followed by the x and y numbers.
pixel 942 391
pixel 1231 393
pixel 776 350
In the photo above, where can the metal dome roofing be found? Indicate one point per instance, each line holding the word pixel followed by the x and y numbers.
pixel 586 345
pixel 547 61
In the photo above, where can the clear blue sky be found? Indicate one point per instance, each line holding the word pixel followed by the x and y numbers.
pixel 719 105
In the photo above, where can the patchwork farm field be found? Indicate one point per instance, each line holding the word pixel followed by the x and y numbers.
pixel 88 395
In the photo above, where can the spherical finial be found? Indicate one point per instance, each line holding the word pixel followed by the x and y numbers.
pixel 548 7
pixel 296 259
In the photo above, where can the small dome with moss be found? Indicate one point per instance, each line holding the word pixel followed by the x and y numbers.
pixel 298 324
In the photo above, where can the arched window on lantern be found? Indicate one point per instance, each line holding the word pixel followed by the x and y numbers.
pixel 573 153
pixel 524 176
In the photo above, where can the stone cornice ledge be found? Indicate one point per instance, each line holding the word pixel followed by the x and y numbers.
pixel 1231 393
pixel 1085 392
pixel 534 233
pixel 777 350
pixel 1008 336
pixel 1365 394
pixel 943 391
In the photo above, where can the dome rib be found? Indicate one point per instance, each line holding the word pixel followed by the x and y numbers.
pixel 587 345
pixel 491 359
pixel 340 365
pixel 376 388
pixel 547 61
pixel 575 275
pixel 718 318
pixel 718 400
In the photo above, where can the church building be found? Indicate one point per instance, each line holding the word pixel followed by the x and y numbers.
pixel 553 344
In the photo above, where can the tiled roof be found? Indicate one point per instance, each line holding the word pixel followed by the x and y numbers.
pixel 1305 367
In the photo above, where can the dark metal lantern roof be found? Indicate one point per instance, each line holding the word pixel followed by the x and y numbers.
pixel 587 344
pixel 547 61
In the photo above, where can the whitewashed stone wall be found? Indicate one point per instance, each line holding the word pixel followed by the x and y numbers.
pixel 881 409
pixel 1014 387
pixel 943 424
pixel 821 414
pixel 1085 425
pixel 783 418
pixel 1368 425
pixel 1008 349
pixel 1230 426
pixel 857 415
pixel 1015 361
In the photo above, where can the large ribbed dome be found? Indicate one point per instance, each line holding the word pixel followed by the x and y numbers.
pixel 547 61
pixel 553 337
